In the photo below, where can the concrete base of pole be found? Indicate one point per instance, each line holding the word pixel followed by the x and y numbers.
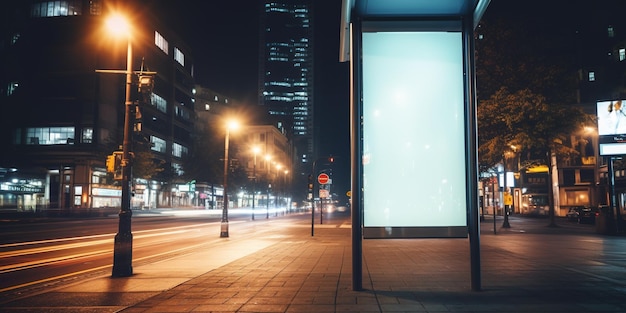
pixel 224 230
pixel 123 255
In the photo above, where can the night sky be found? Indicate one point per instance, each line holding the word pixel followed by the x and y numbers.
pixel 224 38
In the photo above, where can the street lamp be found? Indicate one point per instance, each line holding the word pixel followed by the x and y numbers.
pixel 277 187
pixel 231 125
pixel 285 193
pixel 123 248
pixel 256 151
pixel 508 198
pixel 268 158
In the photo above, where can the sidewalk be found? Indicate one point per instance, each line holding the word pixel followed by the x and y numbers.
pixel 526 268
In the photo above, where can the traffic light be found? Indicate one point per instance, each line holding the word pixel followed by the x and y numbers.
pixel 113 163
pixel 331 159
pixel 146 84
pixel 310 183
pixel 110 163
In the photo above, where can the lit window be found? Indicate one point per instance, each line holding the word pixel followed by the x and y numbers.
pixel 158 144
pixel 179 56
pixel 159 102
pixel 56 8
pixel 182 113
pixel 179 150
pixel 87 136
pixel 15 38
pixel 622 54
pixel 592 76
pixel 611 31
pixel 178 169
pixel 12 87
pixel 160 42
pixel 50 136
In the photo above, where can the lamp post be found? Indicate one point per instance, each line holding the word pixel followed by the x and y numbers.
pixel 277 187
pixel 506 193
pixel 224 226
pixel 255 150
pixel 285 193
pixel 123 247
pixel 269 186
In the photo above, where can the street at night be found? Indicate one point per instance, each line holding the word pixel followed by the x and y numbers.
pixel 48 251
pixel 275 265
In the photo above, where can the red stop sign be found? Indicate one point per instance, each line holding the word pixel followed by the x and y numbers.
pixel 323 178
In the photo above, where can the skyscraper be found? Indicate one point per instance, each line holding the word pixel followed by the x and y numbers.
pixel 286 73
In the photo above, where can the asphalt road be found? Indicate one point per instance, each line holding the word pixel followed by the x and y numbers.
pixel 39 253
pixel 36 256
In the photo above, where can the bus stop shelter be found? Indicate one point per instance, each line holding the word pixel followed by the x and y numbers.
pixel 413 121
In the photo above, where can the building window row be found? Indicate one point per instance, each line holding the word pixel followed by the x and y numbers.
pixel 57 8
pixel 160 42
pixel 182 113
pixel 158 144
pixel 179 150
pixel 49 136
pixel 282 84
pixel 279 98
pixel 278 59
pixel 159 102
pixel 179 56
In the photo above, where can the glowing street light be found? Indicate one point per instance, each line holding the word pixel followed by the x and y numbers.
pixel 231 125
pixel 123 248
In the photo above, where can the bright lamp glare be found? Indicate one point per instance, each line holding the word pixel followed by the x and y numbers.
pixel 118 25
pixel 232 125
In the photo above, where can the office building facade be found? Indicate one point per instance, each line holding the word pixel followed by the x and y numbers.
pixel 67 114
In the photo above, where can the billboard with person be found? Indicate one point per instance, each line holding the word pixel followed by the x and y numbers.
pixel 611 116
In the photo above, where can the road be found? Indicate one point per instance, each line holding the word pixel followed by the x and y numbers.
pixel 42 253
pixel 529 267
pixel 39 256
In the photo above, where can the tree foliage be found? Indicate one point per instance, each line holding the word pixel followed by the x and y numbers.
pixel 145 165
pixel 524 119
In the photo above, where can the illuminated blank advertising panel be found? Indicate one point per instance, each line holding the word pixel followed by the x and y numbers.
pixel 611 127
pixel 414 169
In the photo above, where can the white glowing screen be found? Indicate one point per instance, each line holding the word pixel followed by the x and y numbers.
pixel 413 129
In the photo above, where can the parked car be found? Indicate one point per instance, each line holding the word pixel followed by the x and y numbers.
pixel 573 213
pixel 588 215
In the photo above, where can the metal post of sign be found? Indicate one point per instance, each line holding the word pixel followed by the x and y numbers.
pixel 322 180
pixel 356 146
pixel 321 210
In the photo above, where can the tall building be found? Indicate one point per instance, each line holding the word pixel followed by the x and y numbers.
pixel 286 75
pixel 62 116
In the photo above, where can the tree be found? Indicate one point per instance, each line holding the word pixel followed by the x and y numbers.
pixel 525 119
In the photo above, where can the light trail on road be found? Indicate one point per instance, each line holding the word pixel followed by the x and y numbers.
pixel 28 266
pixel 93 247
pixel 56 248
